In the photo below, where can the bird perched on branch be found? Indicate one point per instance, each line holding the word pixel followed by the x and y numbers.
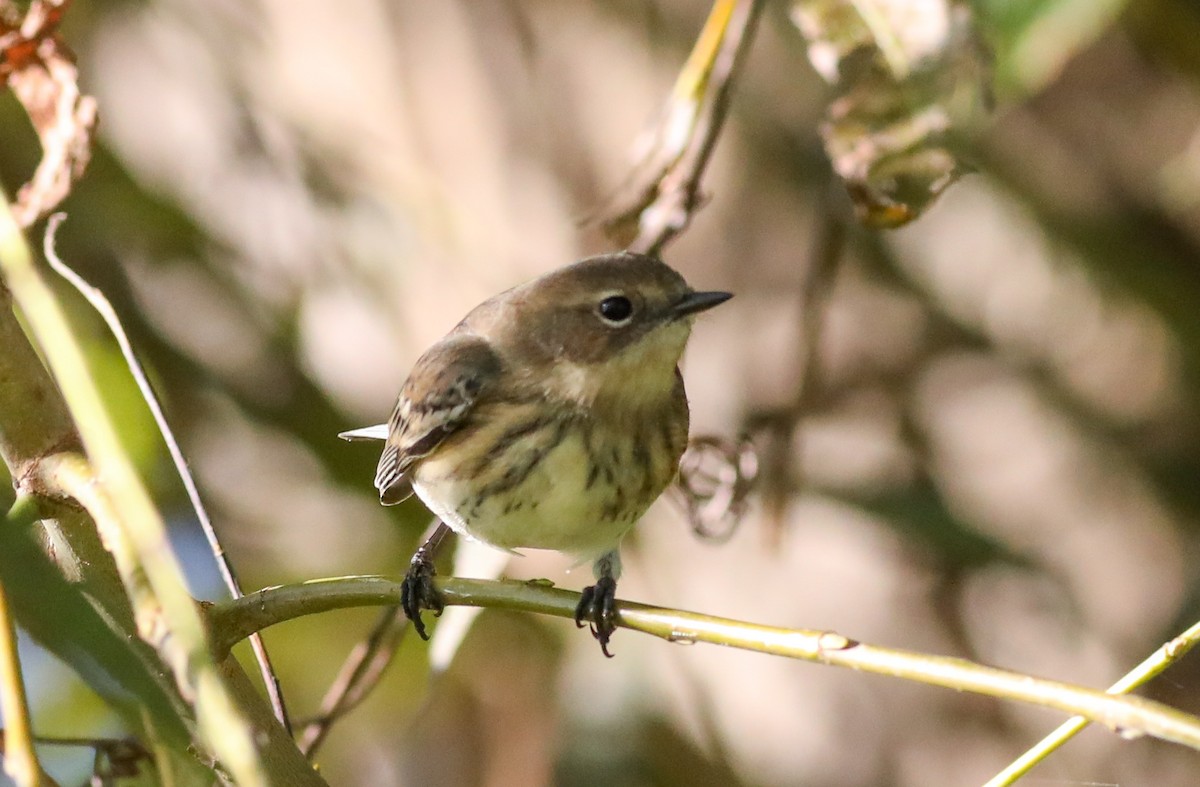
pixel 551 417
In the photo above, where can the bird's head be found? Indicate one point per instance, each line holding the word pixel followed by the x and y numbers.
pixel 608 326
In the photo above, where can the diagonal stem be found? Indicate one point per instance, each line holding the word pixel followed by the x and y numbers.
pixel 360 673
pixel 168 617
pixel 104 308
pixel 1158 661
pixel 657 200
pixel 679 189
pixel 363 668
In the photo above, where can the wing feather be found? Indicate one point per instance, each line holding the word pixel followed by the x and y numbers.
pixel 436 401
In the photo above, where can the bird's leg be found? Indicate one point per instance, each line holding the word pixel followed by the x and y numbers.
pixel 417 591
pixel 598 603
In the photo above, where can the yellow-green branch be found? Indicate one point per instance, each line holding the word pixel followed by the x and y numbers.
pixel 233 621
pixel 20 759
pixel 1154 664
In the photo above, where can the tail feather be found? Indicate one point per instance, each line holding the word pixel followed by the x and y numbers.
pixel 391 477
pixel 396 492
pixel 377 432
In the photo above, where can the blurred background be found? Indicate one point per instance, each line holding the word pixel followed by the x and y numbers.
pixel 978 433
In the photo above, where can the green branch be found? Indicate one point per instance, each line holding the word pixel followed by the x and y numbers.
pixel 144 558
pixel 232 621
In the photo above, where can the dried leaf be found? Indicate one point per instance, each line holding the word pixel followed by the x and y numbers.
pixel 716 477
pixel 40 70
pixel 907 74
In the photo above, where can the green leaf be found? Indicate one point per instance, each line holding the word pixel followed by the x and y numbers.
pixel 1034 39
pixel 62 619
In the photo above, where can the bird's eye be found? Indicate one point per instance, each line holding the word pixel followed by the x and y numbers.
pixel 615 309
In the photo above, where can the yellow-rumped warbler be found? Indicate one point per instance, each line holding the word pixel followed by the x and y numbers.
pixel 551 417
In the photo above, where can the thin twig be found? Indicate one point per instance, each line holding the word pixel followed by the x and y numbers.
pixel 664 144
pixel 104 308
pixel 1130 716
pixel 20 758
pixel 679 192
pixel 112 758
pixel 780 458
pixel 360 673
pixel 364 667
pixel 1154 664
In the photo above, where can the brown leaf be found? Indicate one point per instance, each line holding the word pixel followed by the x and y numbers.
pixel 40 70
pixel 716 477
pixel 905 75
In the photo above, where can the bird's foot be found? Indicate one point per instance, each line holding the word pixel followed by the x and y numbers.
pixel 598 608
pixel 417 591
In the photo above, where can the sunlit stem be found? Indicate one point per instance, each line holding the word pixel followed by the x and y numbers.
pixel 1162 658
pixel 1131 716
pixel 20 758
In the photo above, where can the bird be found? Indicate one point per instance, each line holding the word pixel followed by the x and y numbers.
pixel 551 417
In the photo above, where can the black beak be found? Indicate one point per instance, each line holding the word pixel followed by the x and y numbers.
pixel 695 302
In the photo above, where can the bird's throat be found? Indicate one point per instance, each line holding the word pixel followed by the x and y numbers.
pixel 641 377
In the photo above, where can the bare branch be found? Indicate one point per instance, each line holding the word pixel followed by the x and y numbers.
pixel 780 459
pixel 364 667
pixel 1130 716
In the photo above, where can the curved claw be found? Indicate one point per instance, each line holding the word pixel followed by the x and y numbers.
pixel 598 607
pixel 417 592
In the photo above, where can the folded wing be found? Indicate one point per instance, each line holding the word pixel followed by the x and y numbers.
pixel 436 401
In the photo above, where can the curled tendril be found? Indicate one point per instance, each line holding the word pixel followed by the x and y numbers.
pixel 716 476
